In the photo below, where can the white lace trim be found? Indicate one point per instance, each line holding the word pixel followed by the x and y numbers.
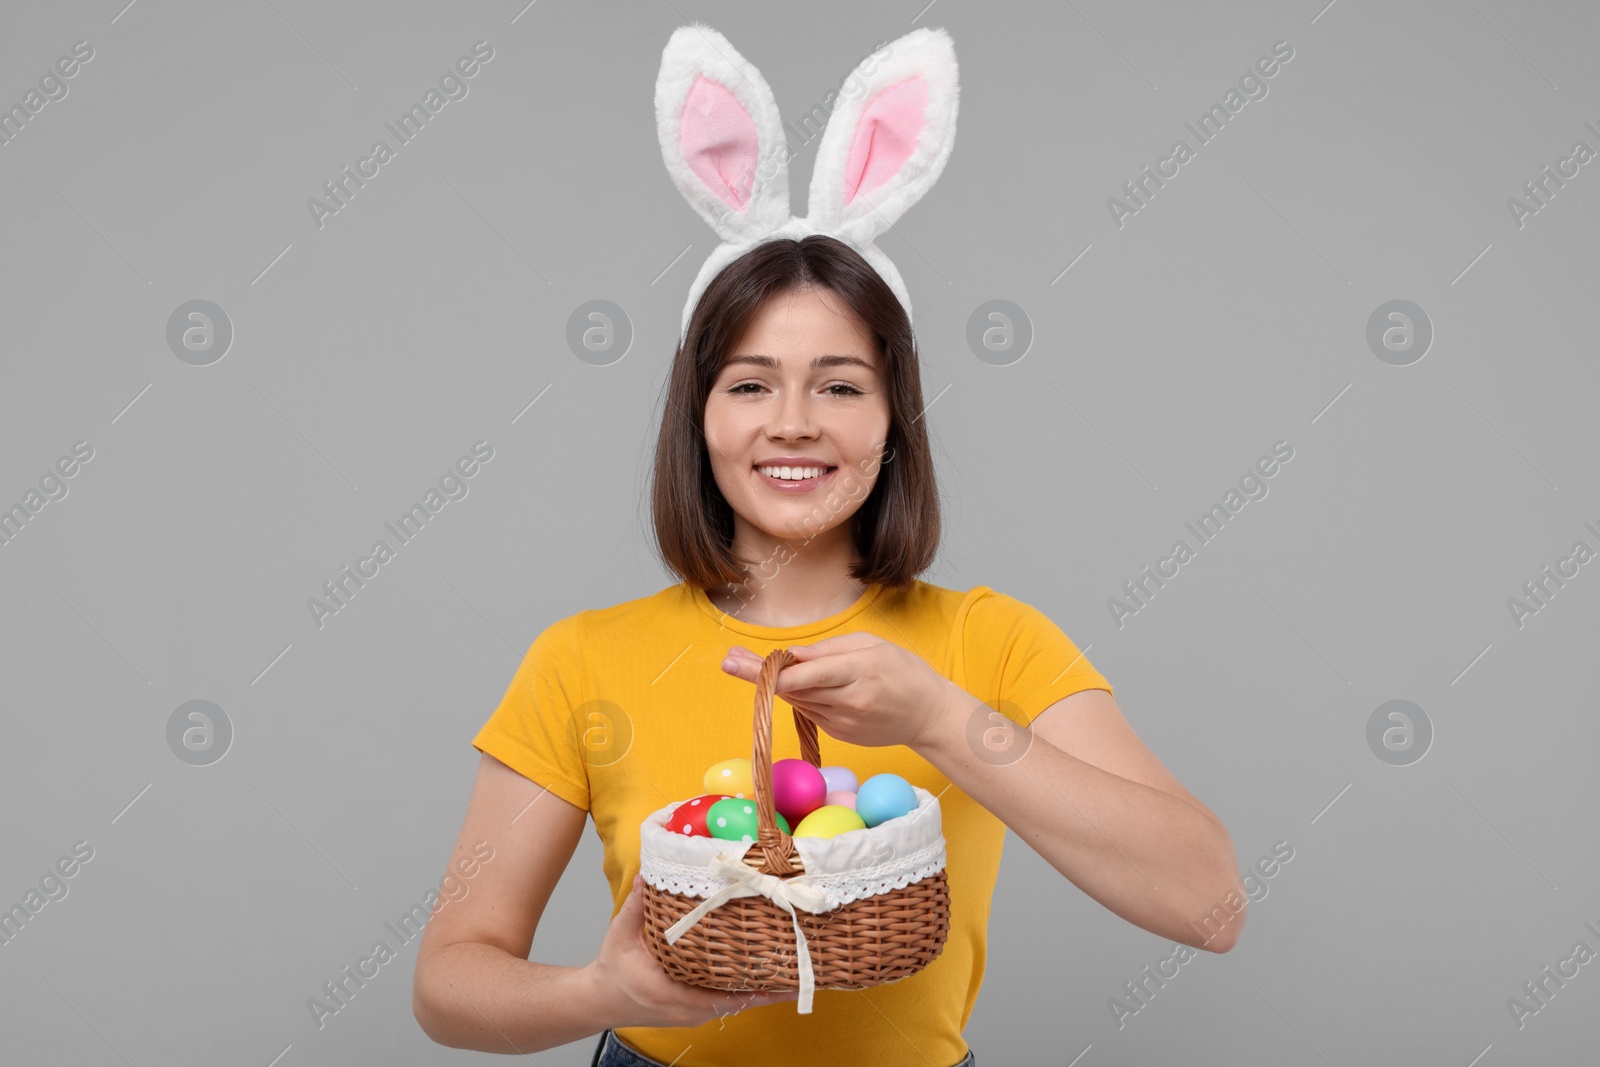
pixel 846 869
pixel 840 889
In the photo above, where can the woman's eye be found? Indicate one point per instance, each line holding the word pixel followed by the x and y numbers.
pixel 849 390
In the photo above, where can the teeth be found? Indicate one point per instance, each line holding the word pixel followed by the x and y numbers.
pixel 792 474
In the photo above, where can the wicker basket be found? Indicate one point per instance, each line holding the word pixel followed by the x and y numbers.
pixel 749 942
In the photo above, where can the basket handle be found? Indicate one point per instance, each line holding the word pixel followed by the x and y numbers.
pixel 777 851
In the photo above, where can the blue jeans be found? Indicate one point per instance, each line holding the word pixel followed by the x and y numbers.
pixel 611 1052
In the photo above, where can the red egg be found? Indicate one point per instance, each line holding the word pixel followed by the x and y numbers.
pixel 798 788
pixel 689 818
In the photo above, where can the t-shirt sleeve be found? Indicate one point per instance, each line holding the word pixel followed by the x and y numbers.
pixel 1017 656
pixel 534 730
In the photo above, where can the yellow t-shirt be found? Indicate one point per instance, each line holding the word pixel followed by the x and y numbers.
pixel 621 710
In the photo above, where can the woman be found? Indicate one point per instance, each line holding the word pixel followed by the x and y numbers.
pixel 799 355
pixel 794 497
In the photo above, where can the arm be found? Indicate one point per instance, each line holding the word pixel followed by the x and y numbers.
pixel 475 987
pixel 1089 797
pixel 1079 787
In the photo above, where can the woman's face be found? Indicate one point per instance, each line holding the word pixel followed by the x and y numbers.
pixel 803 388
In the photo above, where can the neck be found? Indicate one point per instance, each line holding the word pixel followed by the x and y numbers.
pixel 791 582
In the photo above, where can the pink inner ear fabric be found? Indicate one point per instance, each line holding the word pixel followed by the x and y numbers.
pixel 886 136
pixel 718 138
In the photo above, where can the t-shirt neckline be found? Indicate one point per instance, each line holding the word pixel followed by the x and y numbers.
pixel 785 633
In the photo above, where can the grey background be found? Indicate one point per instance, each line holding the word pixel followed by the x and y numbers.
pixel 369 355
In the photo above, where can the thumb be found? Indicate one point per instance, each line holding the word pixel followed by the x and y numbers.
pixel 632 910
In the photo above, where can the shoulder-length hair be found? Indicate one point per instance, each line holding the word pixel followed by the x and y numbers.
pixel 896 528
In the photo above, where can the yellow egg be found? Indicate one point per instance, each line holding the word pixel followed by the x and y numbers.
pixel 732 777
pixel 830 820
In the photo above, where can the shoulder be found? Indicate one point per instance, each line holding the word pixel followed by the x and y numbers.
pixel 927 595
pixel 1018 652
pixel 627 617
pixel 981 606
pixel 993 618
pixel 986 606
pixel 924 600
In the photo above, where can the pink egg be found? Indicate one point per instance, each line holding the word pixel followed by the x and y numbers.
pixel 798 788
pixel 843 798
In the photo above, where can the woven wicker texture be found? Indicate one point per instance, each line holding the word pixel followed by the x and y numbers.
pixel 748 942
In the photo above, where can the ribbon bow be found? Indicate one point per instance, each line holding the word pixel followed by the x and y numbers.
pixel 787 893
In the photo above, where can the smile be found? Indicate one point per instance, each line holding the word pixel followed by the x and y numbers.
pixel 795 479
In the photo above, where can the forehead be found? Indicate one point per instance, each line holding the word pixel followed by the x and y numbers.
pixel 808 328
pixel 741 361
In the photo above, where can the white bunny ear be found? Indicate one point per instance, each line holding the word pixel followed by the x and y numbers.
pixel 886 144
pixel 721 135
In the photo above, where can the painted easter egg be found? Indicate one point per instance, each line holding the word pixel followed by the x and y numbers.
pixel 830 820
pixel 840 780
pixel 735 819
pixel 842 799
pixel 798 788
pixel 689 818
pixel 731 777
pixel 883 797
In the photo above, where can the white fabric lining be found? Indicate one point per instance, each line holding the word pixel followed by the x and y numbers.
pixel 847 868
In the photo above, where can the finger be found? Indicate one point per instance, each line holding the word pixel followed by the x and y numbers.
pixel 725 1004
pixel 742 663
pixel 793 678
pixel 828 646
pixel 631 915
pixel 737 1002
pixel 741 666
pixel 829 672
pixel 820 717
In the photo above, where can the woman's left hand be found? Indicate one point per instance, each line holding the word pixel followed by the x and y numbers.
pixel 858 687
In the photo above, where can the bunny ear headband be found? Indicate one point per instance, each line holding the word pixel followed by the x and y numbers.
pixel 890 131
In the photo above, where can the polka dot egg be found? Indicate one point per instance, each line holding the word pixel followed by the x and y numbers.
pixel 731 777
pixel 735 819
pixel 689 818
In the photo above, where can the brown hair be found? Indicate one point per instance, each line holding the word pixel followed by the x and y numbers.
pixel 896 528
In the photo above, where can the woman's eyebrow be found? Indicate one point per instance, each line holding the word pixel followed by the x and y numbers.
pixel 762 360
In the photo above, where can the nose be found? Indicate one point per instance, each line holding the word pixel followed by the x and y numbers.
pixel 792 419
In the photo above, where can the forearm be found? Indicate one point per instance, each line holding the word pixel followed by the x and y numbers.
pixel 477 996
pixel 1150 857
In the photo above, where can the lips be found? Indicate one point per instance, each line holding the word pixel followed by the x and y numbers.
pixel 793 485
pixel 793 466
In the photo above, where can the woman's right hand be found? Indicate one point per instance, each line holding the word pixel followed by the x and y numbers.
pixel 627 971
